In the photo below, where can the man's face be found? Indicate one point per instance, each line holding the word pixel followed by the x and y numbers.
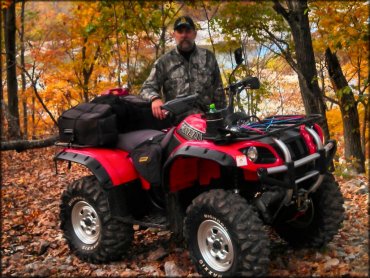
pixel 185 38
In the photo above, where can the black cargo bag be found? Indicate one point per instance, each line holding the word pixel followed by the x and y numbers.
pixel 147 158
pixel 88 124
pixel 133 113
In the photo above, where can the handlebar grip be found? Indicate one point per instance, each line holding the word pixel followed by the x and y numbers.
pixel 250 82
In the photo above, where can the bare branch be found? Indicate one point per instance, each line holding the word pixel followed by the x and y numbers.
pixel 364 89
pixel 284 52
pixel 144 27
pixel 178 10
pixel 208 26
pixel 331 100
pixel 34 86
pixel 21 145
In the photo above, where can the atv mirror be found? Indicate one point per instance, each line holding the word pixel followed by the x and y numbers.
pixel 238 53
pixel 252 83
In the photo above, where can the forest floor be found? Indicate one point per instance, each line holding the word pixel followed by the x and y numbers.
pixel 32 243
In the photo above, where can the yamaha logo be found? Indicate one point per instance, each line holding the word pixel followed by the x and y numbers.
pixel 189 132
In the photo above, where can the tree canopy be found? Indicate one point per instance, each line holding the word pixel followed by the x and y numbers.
pixel 72 51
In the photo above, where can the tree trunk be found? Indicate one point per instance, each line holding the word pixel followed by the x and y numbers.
pixel 2 115
pixel 24 98
pixel 162 39
pixel 9 32
pixel 128 51
pixel 118 46
pixel 33 118
pixel 365 127
pixel 349 113
pixel 297 17
pixel 87 69
pixel 86 87
pixel 85 74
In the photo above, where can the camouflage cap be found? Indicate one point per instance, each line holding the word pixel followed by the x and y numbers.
pixel 184 21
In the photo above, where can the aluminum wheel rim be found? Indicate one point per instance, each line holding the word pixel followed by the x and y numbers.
pixel 215 245
pixel 85 222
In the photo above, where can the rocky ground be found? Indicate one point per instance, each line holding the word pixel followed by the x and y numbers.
pixel 32 243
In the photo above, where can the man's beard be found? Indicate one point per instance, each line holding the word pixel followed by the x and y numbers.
pixel 185 45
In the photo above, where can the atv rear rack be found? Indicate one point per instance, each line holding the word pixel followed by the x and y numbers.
pixel 71 145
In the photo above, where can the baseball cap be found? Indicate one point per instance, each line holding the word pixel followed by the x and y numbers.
pixel 184 21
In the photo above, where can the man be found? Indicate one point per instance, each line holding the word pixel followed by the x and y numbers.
pixel 185 70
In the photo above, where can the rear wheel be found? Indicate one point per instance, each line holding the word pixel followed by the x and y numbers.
pixel 225 236
pixel 321 221
pixel 91 233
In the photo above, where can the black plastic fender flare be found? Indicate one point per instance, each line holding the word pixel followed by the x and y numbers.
pixel 92 164
pixel 197 152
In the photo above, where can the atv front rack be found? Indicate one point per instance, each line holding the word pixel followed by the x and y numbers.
pixel 265 128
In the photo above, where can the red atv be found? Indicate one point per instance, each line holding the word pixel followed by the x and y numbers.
pixel 215 178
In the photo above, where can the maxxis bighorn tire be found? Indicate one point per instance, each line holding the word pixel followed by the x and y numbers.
pixel 99 238
pixel 227 218
pixel 327 218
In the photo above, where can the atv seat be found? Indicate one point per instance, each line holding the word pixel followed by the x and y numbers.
pixel 128 141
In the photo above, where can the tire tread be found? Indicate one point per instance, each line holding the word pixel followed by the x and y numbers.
pixel 250 234
pixel 120 235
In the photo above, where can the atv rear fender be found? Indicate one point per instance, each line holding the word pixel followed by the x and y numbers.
pixel 112 167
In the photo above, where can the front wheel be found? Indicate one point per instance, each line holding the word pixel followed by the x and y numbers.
pixel 322 220
pixel 91 233
pixel 225 236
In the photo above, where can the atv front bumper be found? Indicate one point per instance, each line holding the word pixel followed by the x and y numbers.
pixel 322 157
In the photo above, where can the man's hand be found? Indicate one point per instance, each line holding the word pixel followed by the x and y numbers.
pixel 157 111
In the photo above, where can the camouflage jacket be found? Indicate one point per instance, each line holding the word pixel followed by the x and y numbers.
pixel 173 75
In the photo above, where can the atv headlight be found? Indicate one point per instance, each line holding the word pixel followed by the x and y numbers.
pixel 252 154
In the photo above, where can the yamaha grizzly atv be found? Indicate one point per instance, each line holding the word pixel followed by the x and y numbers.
pixel 216 179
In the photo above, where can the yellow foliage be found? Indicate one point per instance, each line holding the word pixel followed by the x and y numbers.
pixel 65 40
pixel 5 3
pixel 335 123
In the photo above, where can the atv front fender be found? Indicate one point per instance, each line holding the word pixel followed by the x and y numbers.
pixel 189 163
pixel 112 167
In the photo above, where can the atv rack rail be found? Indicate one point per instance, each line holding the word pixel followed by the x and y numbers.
pixel 230 135
pixel 71 145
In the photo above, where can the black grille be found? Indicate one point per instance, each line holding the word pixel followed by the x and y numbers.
pixel 302 170
pixel 296 146
pixel 265 156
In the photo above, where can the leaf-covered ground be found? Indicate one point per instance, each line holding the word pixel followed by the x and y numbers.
pixel 32 243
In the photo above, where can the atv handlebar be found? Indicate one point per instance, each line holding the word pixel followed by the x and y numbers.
pixel 184 103
pixel 250 82
pixel 180 104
